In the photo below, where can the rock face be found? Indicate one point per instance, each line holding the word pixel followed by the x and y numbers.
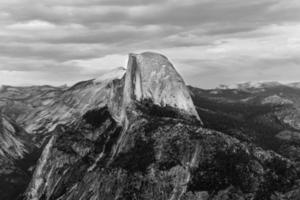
pixel 11 142
pixel 14 151
pixel 138 136
pixel 151 76
pixel 41 109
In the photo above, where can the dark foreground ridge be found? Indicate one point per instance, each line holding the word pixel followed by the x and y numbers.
pixel 139 136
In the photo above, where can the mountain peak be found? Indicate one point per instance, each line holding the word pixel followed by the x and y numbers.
pixel 151 76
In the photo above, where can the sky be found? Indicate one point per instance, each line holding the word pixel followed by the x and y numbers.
pixel 210 42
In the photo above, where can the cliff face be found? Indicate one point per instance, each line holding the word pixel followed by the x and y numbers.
pixel 15 146
pixel 151 76
pixel 11 139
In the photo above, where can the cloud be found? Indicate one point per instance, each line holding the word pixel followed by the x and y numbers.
pixel 220 41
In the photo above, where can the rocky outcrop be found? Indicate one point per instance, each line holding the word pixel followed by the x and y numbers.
pixel 39 180
pixel 151 76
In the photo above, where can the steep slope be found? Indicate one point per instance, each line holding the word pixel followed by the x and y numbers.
pixel 11 142
pixel 14 165
pixel 30 114
pixel 268 116
pixel 153 147
pixel 40 109
pixel 75 101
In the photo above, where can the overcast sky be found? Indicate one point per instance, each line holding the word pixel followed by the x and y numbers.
pixel 210 42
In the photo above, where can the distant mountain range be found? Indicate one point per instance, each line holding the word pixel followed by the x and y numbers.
pixel 258 84
pixel 141 133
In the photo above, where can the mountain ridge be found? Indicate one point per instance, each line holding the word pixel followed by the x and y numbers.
pixel 139 136
pixel 258 84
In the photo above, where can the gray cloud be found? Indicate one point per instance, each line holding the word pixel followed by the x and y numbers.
pixel 204 37
pixel 60 53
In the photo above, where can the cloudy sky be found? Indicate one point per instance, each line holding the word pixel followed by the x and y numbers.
pixel 210 42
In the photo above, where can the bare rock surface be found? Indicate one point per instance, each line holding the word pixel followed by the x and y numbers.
pixel 151 76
